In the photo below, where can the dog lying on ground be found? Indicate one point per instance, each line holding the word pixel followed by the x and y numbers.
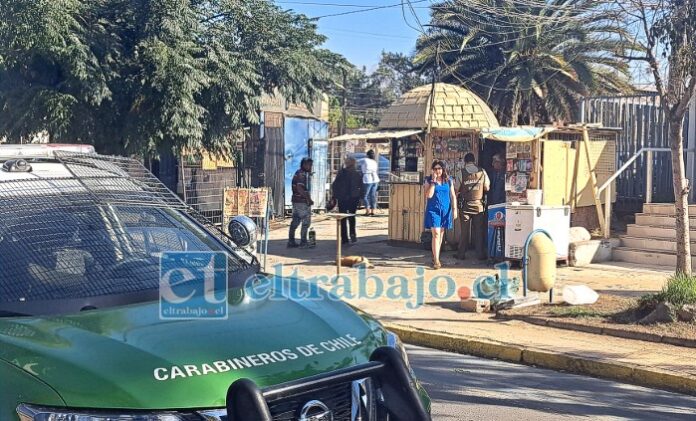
pixel 354 261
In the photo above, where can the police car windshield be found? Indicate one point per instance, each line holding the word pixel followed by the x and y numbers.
pixel 53 251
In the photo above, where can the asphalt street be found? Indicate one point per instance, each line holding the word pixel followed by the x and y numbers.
pixel 469 388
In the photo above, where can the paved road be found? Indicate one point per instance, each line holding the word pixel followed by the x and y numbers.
pixel 468 388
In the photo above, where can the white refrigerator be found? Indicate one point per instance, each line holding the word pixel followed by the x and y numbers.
pixel 521 220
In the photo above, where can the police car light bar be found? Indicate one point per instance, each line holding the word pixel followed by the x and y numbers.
pixel 43 150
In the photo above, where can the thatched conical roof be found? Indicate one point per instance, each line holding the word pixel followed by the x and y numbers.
pixel 454 108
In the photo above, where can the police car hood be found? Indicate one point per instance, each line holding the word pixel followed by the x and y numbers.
pixel 128 357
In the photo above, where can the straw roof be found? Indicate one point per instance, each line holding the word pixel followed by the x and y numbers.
pixel 453 108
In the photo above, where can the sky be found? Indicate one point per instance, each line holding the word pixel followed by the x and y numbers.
pixel 361 37
pixel 365 28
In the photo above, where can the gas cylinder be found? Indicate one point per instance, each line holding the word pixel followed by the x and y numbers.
pixel 541 264
pixel 312 237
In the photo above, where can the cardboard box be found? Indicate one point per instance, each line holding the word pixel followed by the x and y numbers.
pixel 476 305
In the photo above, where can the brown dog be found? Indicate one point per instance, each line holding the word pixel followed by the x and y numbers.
pixel 354 261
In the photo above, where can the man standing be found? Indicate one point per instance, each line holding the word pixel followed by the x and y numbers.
pixel 347 189
pixel 370 170
pixel 472 187
pixel 301 204
pixel 496 195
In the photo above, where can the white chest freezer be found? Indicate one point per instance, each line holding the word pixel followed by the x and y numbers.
pixel 521 220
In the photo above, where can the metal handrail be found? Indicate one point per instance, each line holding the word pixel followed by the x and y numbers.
pixel 606 187
pixel 627 164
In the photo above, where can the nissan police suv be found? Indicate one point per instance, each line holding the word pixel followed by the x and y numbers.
pixel 120 302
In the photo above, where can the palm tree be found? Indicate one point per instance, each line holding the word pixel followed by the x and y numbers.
pixel 531 60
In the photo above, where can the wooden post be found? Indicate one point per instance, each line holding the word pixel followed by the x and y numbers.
pixel 574 184
pixel 536 164
pixel 344 104
pixel 593 180
pixel 607 212
pixel 649 177
pixel 338 247
pixel 428 155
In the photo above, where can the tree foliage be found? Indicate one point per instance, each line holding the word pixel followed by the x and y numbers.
pixel 397 74
pixel 138 75
pixel 530 60
pixel 366 94
pixel 671 33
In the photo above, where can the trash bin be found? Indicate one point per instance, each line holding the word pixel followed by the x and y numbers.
pixel 541 265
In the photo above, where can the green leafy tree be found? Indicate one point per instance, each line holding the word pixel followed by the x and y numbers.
pixel 355 99
pixel 132 76
pixel 360 97
pixel 397 74
pixel 530 60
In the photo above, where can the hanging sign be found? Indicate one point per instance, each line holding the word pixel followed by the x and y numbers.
pixel 242 201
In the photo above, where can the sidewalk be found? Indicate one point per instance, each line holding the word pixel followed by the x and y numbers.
pixel 439 323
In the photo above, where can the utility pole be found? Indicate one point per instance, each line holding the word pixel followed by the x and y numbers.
pixel 431 105
pixel 344 103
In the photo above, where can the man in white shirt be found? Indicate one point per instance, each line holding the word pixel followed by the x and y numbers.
pixel 369 169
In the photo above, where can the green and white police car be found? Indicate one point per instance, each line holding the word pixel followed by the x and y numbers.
pixel 87 334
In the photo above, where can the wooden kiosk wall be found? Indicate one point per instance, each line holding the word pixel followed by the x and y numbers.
pixel 561 170
pixel 559 160
pixel 406 212
pixel 560 156
pixel 407 201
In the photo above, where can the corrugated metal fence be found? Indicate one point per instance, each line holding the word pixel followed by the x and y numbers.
pixel 643 125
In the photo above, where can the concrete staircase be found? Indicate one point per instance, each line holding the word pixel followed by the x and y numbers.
pixel 651 240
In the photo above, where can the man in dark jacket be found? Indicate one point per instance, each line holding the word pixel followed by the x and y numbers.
pixel 347 189
pixel 301 204
pixel 496 194
pixel 473 185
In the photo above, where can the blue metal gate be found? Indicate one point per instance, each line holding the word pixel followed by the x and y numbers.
pixel 320 177
pixel 300 133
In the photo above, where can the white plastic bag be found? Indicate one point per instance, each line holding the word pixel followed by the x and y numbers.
pixel 579 295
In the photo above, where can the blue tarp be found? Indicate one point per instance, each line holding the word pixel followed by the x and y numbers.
pixel 515 134
pixel 298 132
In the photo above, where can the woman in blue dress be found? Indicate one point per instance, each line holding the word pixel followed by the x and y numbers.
pixel 441 208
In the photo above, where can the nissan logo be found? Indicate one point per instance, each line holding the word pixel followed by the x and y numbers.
pixel 316 411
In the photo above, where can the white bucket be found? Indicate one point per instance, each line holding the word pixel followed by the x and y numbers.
pixel 579 295
pixel 534 197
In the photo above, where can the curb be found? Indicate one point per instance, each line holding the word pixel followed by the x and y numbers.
pixel 598 330
pixel 626 373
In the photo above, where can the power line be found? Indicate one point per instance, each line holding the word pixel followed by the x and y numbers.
pixel 449 71
pixel 373 34
pixel 309 3
pixel 387 6
pixel 550 6
pixel 522 22
pixel 413 12
pixel 559 29
pixel 517 10
pixel 415 15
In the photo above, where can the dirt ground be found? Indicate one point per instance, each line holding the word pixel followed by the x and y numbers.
pixel 610 311
pixel 614 278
